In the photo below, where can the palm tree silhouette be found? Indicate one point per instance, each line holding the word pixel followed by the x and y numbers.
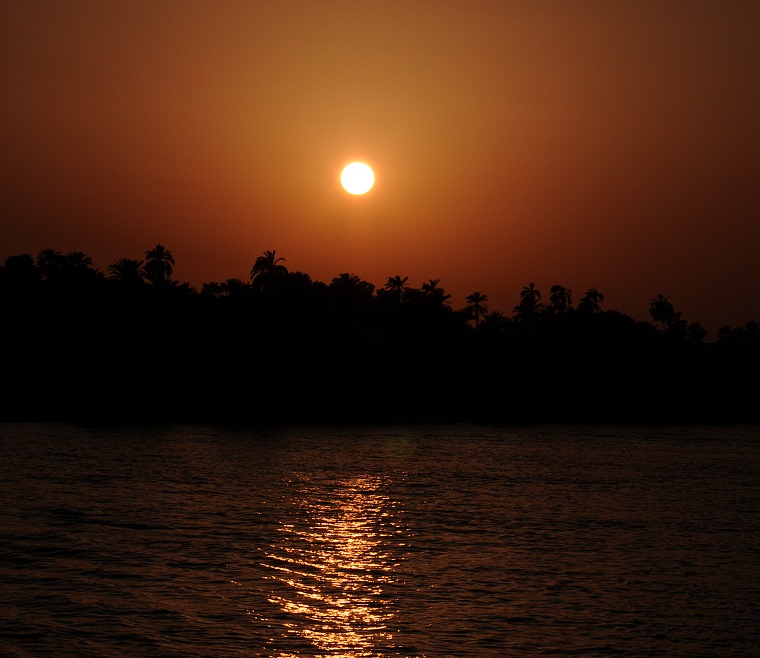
pixel 127 270
pixel 266 270
pixel 351 282
pixel 346 280
pixel 431 286
pixel 476 306
pixel 229 288
pixel 530 306
pixel 724 333
pixel 496 322
pixel 77 270
pixel 752 332
pixel 433 291
pixel 50 262
pixel 590 302
pixel 397 287
pixel 211 289
pixel 662 311
pixel 677 326
pixel 695 333
pixel 78 260
pixel 158 265
pixel 234 287
pixel 560 299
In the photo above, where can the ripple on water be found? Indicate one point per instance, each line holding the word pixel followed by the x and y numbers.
pixel 191 541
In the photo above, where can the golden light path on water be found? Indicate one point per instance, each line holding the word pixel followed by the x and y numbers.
pixel 331 567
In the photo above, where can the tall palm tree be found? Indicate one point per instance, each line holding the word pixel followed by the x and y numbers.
pixel 662 311
pixel 476 306
pixel 560 299
pixel 397 286
pixel 530 306
pixel 266 270
pixel 159 264
pixel 591 301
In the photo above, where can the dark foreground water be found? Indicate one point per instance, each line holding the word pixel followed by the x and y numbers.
pixel 423 541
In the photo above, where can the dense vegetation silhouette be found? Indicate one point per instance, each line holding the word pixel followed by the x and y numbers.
pixel 135 344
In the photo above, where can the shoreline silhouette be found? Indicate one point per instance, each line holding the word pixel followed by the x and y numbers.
pixel 134 344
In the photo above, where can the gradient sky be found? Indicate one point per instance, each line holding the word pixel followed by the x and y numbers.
pixel 607 144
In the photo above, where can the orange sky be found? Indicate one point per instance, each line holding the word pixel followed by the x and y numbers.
pixel 606 144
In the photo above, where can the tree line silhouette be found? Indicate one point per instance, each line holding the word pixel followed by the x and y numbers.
pixel 133 344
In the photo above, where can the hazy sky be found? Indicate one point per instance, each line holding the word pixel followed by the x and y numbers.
pixel 612 144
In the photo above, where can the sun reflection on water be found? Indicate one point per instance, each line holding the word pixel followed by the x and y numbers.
pixel 331 567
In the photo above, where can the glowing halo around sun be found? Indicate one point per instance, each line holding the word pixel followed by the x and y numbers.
pixel 357 178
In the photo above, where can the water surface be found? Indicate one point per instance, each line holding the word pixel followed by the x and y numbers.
pixel 420 541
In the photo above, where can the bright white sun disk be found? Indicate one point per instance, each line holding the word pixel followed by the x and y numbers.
pixel 357 178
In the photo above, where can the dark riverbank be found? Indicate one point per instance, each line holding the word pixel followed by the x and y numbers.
pixel 202 359
pixel 286 349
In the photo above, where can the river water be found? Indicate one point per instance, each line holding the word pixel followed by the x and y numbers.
pixel 386 541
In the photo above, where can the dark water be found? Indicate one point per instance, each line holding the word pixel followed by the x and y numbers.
pixel 426 541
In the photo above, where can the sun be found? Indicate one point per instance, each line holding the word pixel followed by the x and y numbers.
pixel 357 178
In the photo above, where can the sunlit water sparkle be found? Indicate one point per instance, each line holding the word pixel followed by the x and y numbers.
pixel 331 558
pixel 421 541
